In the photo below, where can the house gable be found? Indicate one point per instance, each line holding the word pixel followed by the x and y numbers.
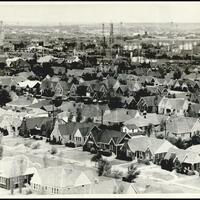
pixel 82 180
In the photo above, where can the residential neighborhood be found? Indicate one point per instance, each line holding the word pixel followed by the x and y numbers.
pixel 99 108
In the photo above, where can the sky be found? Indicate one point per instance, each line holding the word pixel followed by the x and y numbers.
pixel 98 12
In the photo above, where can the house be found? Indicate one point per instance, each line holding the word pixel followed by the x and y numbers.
pixel 21 103
pixel 119 115
pixel 8 81
pixel 59 70
pixel 36 126
pixel 131 129
pixel 148 103
pixel 184 127
pixel 176 106
pixel 10 178
pixel 143 121
pixel 187 157
pixel 61 180
pixel 143 147
pixel 106 140
pixel 61 88
pixel 72 132
pixel 30 86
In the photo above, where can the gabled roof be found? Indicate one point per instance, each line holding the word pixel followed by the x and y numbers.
pixel 143 143
pixel 107 135
pixel 40 104
pixel 173 103
pixel 141 121
pixel 150 100
pixel 71 127
pixel 119 115
pixel 31 123
pixel 180 125
pixel 60 176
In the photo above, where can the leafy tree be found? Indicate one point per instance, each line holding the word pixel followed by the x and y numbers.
pixel 4 97
pixel 132 174
pixel 177 74
pixel 78 115
pixel 70 117
pixel 104 167
pixel 149 129
pixel 187 70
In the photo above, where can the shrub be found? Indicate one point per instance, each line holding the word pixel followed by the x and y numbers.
pixel 70 144
pixel 106 153
pixel 28 191
pixel 27 143
pixel 93 150
pixel 116 174
pixel 144 161
pixel 35 146
pixel 53 150
pixel 191 173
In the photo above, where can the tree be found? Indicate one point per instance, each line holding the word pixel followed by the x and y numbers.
pixel 4 97
pixel 187 70
pixel 70 117
pixel 177 74
pixel 96 158
pixel 78 115
pixel 104 167
pixel 132 174
pixel 149 129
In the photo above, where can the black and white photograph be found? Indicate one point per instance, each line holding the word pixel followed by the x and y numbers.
pixel 99 99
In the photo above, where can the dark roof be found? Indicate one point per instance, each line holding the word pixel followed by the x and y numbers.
pixel 31 123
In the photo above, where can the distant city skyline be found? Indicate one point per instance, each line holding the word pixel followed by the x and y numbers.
pixel 53 13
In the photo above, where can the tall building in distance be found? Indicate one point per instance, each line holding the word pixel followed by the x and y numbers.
pixel 103 35
pixel 1 33
pixel 111 34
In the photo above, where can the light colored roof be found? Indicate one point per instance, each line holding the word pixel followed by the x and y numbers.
pixel 180 124
pixel 194 148
pixel 142 143
pixel 10 166
pixel 141 121
pixel 28 83
pixel 44 59
pixel 61 177
pixel 172 103
pixel 184 156
pixel 119 115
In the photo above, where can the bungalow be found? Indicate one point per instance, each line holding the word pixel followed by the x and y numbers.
pixel 106 139
pixel 9 177
pixel 30 86
pixel 39 126
pixel 72 132
pixel 119 115
pixel 131 129
pixel 184 127
pixel 188 159
pixel 21 103
pixel 148 103
pixel 176 106
pixel 143 147
pixel 60 180
pixel 143 121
